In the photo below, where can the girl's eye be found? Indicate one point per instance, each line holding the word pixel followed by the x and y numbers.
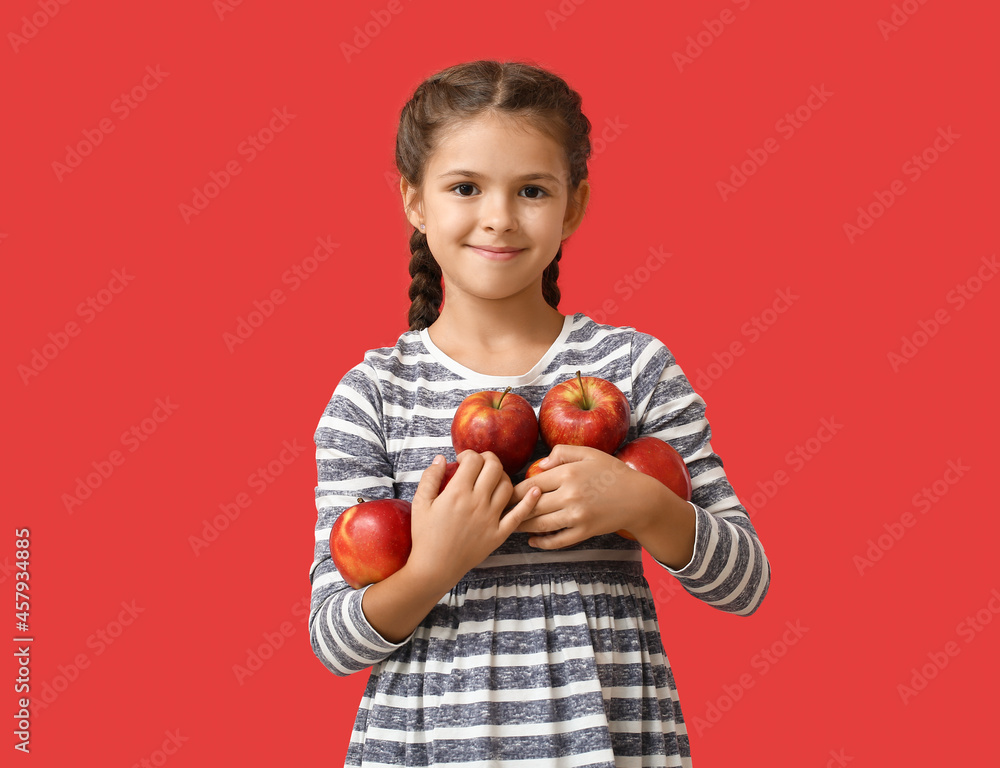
pixel 542 192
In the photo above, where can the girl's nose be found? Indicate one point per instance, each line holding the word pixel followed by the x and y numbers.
pixel 498 214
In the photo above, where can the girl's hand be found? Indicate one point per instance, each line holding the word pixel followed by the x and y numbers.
pixel 585 492
pixel 457 529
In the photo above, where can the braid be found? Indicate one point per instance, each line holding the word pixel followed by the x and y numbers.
pixel 426 293
pixel 550 286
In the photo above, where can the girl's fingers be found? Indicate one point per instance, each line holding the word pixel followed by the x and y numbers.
pixel 491 474
pixel 501 493
pixel 558 540
pixel 546 522
pixel 430 481
pixel 532 524
pixel 519 513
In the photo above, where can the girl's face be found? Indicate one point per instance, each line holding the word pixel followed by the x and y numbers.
pixel 495 183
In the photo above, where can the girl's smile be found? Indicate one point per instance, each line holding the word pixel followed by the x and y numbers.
pixel 496 254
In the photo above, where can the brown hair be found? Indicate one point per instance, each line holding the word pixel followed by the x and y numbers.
pixel 467 91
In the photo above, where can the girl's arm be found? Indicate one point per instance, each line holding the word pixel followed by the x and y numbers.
pixel 728 568
pixel 351 461
pixel 350 629
pixel 396 606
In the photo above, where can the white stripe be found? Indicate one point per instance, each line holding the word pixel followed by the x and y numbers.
pixel 353 483
pixel 765 577
pixel 496 730
pixel 738 590
pixel 489 696
pixel 713 542
pixel 407 411
pixel 330 578
pixel 722 505
pixel 543 658
pixel 537 623
pixel 334 454
pixel 323 533
pixel 324 503
pixel 639 365
pixel 337 424
pixel 359 638
pixel 557 375
pixel 734 551
pixel 490 591
pixel 415 442
pixel 329 659
pixel 664 694
pixel 708 477
pixel 671 406
pixel 353 636
pixel 359 400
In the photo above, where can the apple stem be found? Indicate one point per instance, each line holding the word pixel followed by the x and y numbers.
pixel 586 400
pixel 360 500
pixel 502 396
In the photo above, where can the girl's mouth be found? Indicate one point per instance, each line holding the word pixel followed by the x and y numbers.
pixel 496 255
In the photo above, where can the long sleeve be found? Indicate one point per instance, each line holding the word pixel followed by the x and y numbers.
pixel 729 569
pixel 351 461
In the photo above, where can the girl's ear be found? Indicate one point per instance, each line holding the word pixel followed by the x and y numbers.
pixel 575 209
pixel 412 207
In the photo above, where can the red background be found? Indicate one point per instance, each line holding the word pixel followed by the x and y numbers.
pixel 832 691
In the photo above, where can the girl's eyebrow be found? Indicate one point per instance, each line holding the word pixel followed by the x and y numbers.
pixel 525 177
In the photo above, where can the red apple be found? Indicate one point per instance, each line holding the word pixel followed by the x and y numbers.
pixel 371 540
pixel 449 472
pixel 657 458
pixel 534 469
pixel 502 422
pixel 585 411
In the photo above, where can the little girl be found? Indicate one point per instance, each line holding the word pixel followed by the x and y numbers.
pixel 521 630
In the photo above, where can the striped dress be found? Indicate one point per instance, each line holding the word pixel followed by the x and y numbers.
pixel 535 657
